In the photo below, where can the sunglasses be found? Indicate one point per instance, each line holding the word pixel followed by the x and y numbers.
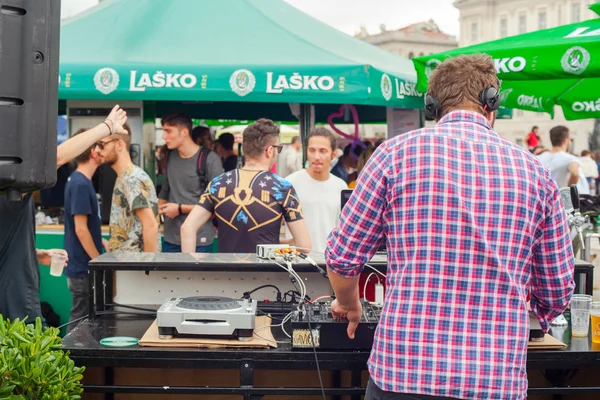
pixel 278 147
pixel 102 145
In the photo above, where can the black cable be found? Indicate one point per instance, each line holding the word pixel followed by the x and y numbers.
pixel 265 286
pixel 130 307
pixel 312 339
pixel 72 322
pixel 125 313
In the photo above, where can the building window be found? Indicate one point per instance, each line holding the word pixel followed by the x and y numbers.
pixel 503 27
pixel 522 23
pixel 474 32
pixel 542 23
pixel 411 54
pixel 421 54
pixel 575 12
pixel 559 16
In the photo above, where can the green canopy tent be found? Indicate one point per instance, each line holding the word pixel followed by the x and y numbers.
pixel 224 51
pixel 558 66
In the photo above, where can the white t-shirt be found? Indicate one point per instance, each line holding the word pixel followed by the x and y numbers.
pixel 321 203
pixel 558 164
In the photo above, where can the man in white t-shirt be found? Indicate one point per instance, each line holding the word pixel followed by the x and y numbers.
pixel 318 190
pixel 565 168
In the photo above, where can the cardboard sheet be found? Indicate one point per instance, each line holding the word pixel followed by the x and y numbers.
pixel 262 339
pixel 549 343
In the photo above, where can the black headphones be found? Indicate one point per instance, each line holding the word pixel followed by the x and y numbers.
pixel 489 99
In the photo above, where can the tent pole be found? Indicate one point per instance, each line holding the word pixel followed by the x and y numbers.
pixel 307 122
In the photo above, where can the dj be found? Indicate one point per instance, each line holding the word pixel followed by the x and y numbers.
pixel 249 203
pixel 473 223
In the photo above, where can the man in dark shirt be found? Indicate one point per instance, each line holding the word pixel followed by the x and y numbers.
pixel 19 273
pixel 230 159
pixel 250 202
pixel 83 236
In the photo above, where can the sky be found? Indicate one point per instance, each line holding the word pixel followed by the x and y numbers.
pixel 349 15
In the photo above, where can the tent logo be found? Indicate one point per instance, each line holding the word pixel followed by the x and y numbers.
pixel 386 87
pixel 242 82
pixel 106 80
pixel 431 65
pixel 504 95
pixel 576 60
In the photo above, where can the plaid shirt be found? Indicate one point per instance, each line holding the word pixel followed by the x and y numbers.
pixel 473 223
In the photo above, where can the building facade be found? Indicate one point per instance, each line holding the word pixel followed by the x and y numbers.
pixel 411 41
pixel 485 20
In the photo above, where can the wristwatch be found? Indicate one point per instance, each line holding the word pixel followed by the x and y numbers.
pixel 180 210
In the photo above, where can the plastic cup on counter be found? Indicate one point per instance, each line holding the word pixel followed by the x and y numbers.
pixel 581 305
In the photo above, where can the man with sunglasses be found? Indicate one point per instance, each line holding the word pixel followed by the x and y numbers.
pixel 249 202
pixel 134 211
pixel 19 272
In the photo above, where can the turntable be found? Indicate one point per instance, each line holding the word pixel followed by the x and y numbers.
pixel 206 316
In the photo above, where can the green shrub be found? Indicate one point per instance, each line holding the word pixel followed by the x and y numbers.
pixel 33 366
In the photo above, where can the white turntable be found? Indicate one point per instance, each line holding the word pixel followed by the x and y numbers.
pixel 206 316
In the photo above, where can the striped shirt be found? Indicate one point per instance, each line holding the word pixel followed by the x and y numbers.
pixel 473 224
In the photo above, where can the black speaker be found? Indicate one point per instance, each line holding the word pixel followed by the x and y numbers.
pixel 29 45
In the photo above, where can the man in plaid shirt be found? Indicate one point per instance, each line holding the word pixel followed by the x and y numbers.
pixel 473 225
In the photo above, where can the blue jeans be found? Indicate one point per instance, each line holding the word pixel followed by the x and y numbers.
pixel 176 248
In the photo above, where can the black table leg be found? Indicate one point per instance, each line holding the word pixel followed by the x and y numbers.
pixel 336 382
pixel 356 381
pixel 559 378
pixel 91 294
pixel 247 379
pixel 109 380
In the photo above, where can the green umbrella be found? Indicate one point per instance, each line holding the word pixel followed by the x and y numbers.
pixel 557 66
pixel 225 50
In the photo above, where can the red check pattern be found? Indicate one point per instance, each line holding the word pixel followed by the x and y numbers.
pixel 473 223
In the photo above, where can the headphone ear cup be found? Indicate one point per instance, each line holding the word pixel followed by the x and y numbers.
pixel 432 107
pixel 490 98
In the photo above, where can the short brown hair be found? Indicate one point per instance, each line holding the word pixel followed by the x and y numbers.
pixel 558 134
pixel 457 82
pixel 179 120
pixel 326 133
pixel 586 153
pixel 125 138
pixel 85 156
pixel 258 136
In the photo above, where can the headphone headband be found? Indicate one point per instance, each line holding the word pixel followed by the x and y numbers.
pixel 489 98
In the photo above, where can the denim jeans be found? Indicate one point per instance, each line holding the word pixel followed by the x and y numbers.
pixel 80 295
pixel 176 248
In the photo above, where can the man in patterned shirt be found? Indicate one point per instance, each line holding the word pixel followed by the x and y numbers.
pixel 249 203
pixel 134 210
pixel 473 224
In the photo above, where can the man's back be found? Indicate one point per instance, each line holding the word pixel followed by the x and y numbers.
pixel 133 190
pixel 558 164
pixel 471 221
pixel 249 206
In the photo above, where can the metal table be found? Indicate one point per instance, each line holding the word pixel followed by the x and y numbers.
pixel 84 344
pixel 83 341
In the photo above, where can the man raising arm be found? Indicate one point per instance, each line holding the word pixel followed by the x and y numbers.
pixel 250 202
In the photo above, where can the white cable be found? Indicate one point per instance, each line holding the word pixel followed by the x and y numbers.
pixel 367 281
pixel 376 270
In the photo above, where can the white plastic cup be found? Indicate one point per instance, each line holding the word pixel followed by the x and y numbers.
pixel 58 264
pixel 581 305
